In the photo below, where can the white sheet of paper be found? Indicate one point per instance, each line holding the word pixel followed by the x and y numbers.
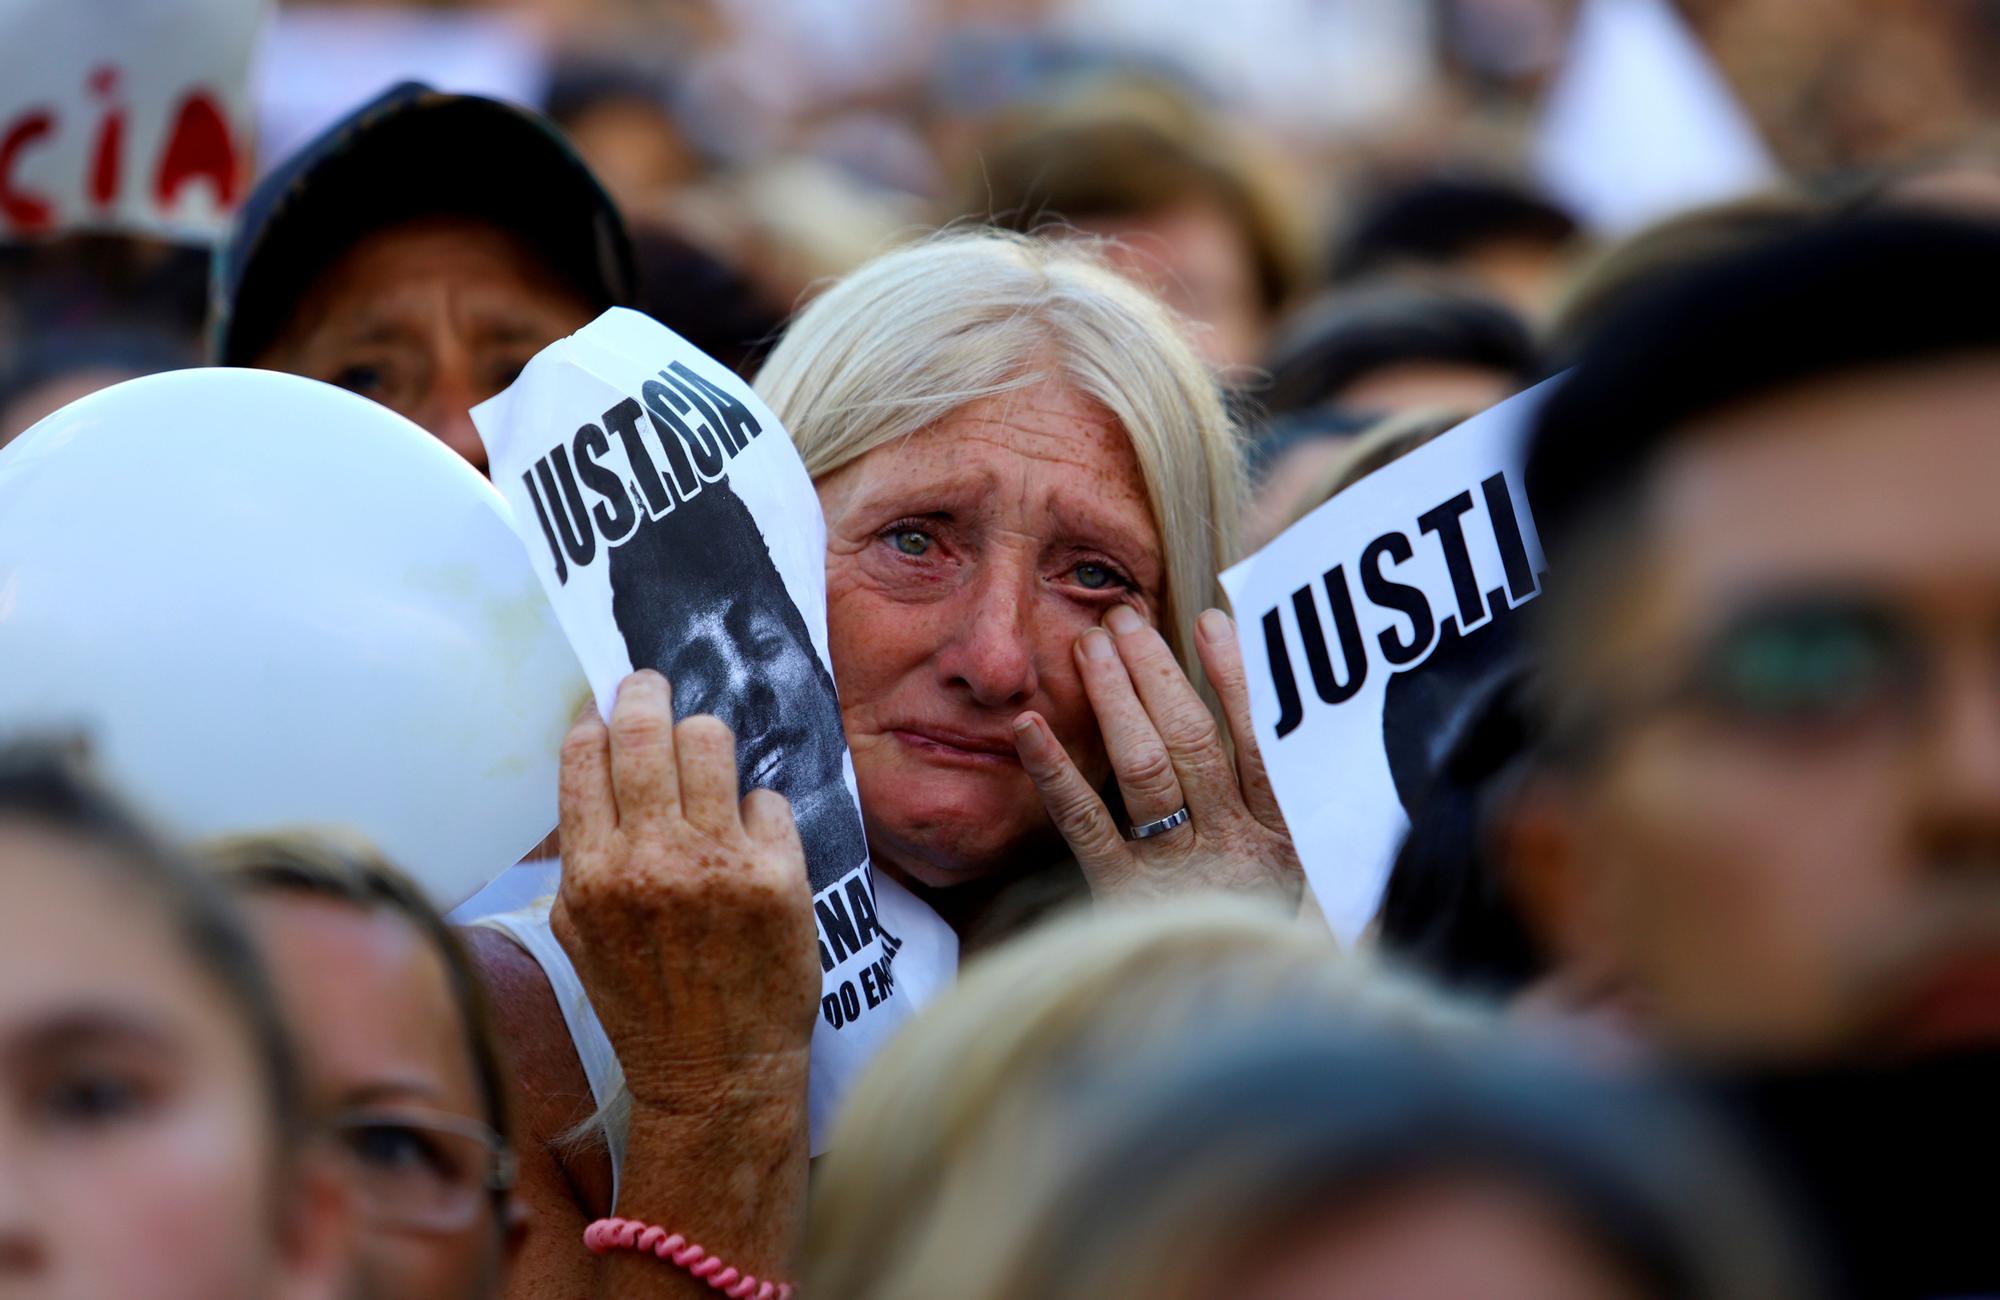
pixel 674 527
pixel 126 117
pixel 1373 569
pixel 1640 124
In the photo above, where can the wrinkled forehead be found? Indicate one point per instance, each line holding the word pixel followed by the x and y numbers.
pixel 1040 450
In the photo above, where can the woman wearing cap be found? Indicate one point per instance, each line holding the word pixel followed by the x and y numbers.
pixel 1029 483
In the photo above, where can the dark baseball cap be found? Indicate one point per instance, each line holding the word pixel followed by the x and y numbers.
pixel 412 152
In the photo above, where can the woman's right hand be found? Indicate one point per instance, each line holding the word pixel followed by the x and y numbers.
pixel 688 915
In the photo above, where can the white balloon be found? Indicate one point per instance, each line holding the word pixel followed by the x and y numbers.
pixel 269 602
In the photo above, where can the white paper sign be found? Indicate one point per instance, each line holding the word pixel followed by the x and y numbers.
pixel 125 115
pixel 1357 622
pixel 674 527
pixel 1640 123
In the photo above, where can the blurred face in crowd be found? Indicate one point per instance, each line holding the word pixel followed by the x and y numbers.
pixel 138 1150
pixel 387 1069
pixel 962 565
pixel 1437 1240
pixel 430 318
pixel 1796 677
pixel 1196 258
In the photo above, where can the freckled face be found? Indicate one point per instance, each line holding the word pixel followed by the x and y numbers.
pixel 962 565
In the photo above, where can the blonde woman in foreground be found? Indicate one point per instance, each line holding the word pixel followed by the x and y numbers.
pixel 1204 1100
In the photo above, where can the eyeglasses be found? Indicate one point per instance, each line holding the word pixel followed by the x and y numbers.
pixel 422 1170
pixel 1811 667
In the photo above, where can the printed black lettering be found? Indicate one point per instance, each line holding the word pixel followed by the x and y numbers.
pixel 737 422
pixel 711 426
pixel 615 515
pixel 868 989
pixel 1401 597
pixel 1290 711
pixel 829 1006
pixel 623 420
pixel 572 524
pixel 542 514
pixel 850 1001
pixel 1521 582
pixel 670 408
pixel 862 905
pixel 1345 625
pixel 1444 521
pixel 836 926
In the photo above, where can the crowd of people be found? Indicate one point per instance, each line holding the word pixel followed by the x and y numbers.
pixel 1686 981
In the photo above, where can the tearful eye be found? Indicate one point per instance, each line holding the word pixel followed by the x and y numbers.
pixel 1095 576
pixel 911 541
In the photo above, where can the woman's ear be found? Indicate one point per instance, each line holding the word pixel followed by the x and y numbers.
pixel 316 1250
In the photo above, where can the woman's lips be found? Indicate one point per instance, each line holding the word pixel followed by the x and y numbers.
pixel 961 748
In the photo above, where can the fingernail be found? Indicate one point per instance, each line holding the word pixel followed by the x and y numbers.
pixel 1096 645
pixel 1215 625
pixel 1123 620
pixel 1025 735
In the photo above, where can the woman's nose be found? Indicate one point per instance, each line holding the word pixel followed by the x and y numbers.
pixel 991 653
pixel 447 411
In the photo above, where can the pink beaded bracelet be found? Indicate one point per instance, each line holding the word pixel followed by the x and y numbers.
pixel 630 1234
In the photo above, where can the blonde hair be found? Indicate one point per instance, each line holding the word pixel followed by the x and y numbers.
pixel 921 332
pixel 936 1155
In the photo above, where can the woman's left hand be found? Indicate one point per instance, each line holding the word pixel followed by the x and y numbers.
pixel 1168 754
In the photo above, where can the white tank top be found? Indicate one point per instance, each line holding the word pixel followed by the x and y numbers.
pixel 926 963
pixel 529 927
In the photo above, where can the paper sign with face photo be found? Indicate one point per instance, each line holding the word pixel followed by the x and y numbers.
pixel 1367 631
pixel 675 528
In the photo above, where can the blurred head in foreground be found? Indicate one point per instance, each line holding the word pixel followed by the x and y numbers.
pixel 1286 1160
pixel 1770 638
pixel 978 1082
pixel 399 1058
pixel 149 1144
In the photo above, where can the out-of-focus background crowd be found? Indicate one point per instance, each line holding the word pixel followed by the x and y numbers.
pixel 1317 182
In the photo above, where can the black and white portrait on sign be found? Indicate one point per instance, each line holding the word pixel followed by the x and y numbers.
pixel 698 598
pixel 674 527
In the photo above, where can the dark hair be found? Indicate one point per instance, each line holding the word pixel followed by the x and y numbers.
pixel 705 300
pixel 1344 336
pixel 44 356
pixel 45 785
pixel 351 872
pixel 1622 273
pixel 710 548
pixel 1436 219
pixel 1447 909
pixel 1286 1118
pixel 1867 292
